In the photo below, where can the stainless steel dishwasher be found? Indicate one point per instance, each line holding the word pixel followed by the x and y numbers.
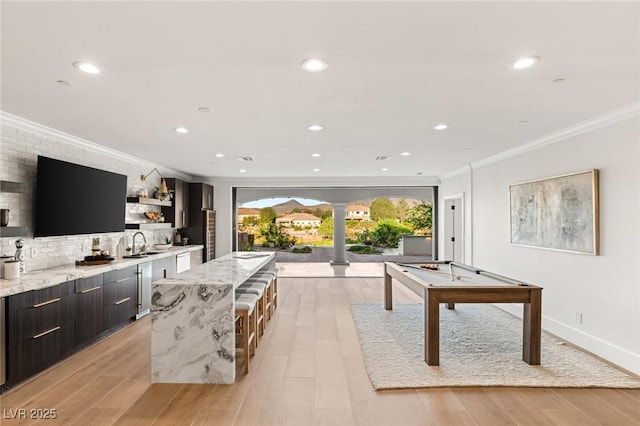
pixel 144 289
pixel 3 345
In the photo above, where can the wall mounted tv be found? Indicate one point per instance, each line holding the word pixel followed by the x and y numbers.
pixel 73 199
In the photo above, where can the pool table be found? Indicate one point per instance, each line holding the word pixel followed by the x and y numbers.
pixel 451 283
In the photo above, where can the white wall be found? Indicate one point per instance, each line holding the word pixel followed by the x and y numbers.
pixel 604 288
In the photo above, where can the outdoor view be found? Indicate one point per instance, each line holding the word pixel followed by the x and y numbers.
pixel 300 225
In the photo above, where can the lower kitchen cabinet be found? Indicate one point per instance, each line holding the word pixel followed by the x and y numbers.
pixel 41 329
pixel 120 297
pixel 89 309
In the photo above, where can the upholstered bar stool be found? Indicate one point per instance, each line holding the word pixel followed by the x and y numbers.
pixel 246 325
pixel 258 289
pixel 267 279
pixel 274 273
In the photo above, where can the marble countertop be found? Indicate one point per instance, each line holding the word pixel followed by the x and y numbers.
pixel 234 268
pixel 36 280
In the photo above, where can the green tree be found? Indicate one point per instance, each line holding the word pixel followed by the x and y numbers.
pixel 325 230
pixel 421 217
pixel 268 215
pixel 382 208
pixel 402 209
pixel 321 213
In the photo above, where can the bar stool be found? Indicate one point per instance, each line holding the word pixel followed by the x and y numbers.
pixel 258 289
pixel 267 280
pixel 274 273
pixel 246 325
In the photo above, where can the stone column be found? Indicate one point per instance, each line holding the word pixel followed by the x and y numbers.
pixel 339 214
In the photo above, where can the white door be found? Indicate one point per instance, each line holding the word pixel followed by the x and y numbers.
pixel 453 235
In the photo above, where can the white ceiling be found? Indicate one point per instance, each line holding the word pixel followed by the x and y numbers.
pixel 395 70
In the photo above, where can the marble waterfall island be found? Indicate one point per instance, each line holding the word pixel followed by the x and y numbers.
pixel 193 320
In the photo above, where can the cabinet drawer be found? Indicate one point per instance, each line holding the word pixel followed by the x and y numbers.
pixel 120 274
pixel 40 297
pixel 89 284
pixel 32 355
pixel 31 322
pixel 115 291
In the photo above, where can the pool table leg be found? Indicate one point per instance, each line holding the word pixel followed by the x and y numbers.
pixel 532 328
pixel 431 328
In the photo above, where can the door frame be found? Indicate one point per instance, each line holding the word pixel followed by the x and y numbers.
pixel 449 223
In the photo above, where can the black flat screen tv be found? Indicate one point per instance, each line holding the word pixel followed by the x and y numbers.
pixel 73 199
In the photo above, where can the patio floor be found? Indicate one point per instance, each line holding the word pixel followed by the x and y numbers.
pixel 316 263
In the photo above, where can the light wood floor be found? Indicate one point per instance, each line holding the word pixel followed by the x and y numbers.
pixel 308 371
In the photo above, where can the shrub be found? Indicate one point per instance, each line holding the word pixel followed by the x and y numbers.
pixel 388 232
pixel 363 250
pixel 305 249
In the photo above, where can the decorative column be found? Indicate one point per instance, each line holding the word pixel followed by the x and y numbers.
pixel 339 215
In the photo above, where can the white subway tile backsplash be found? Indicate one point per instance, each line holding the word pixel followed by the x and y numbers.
pixel 19 150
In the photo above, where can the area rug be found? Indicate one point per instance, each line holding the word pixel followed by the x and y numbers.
pixel 480 345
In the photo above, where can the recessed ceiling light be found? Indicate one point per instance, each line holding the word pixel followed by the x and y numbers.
pixel 526 62
pixel 405 154
pixel 315 155
pixel 204 109
pixel 181 130
pixel 243 171
pixel 384 169
pixel 419 173
pixel 440 126
pixel 314 65
pixel 315 128
pixel 219 155
pixel 87 67
pixel 316 170
pixel 65 83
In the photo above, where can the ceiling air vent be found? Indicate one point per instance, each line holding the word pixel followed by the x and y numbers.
pixel 247 158
pixel 382 157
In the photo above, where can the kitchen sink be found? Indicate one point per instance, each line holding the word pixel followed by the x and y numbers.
pixel 137 255
pixel 134 256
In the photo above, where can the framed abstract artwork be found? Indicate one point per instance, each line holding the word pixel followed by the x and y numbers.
pixel 557 213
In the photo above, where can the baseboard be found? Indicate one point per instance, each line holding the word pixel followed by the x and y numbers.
pixel 609 352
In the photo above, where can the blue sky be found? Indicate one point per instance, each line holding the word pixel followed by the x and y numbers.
pixel 268 202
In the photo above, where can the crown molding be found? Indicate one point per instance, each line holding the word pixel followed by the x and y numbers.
pixel 606 119
pixel 25 125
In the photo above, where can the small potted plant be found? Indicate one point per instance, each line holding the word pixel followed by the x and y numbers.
pixel 166 244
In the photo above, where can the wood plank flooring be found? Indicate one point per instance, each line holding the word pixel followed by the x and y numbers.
pixel 308 371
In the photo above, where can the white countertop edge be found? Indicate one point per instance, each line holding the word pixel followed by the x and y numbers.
pixel 44 278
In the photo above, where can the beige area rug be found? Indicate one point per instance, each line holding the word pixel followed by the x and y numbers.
pixel 480 345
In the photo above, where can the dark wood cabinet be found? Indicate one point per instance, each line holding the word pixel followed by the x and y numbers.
pixel 200 197
pixel 89 309
pixel 178 213
pixel 120 297
pixel 41 329
pixel 163 268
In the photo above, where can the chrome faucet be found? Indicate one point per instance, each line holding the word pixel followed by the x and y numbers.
pixel 144 246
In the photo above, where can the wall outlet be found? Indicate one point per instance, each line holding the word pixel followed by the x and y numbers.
pixel 579 317
pixel 82 247
pixel 33 252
